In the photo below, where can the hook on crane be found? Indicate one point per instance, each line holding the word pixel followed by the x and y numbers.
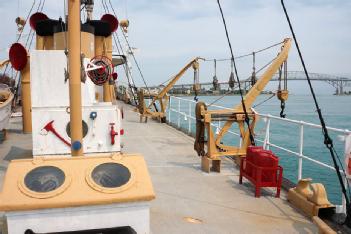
pixel 196 86
pixel 231 81
pixel 283 92
pixel 253 75
pixel 215 79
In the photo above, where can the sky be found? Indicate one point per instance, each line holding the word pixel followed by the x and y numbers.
pixel 168 34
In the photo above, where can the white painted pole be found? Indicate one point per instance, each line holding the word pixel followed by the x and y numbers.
pixel 266 139
pixel 169 109
pixel 178 113
pixel 299 171
pixel 189 118
pixel 347 153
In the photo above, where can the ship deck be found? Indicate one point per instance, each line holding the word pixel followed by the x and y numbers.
pixel 187 199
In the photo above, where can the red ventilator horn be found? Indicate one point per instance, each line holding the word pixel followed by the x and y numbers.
pixel 18 56
pixel 111 20
pixel 114 76
pixel 35 18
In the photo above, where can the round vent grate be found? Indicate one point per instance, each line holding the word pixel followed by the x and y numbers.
pixel 111 175
pixel 44 179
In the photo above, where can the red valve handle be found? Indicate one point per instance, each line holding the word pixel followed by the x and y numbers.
pixel 113 133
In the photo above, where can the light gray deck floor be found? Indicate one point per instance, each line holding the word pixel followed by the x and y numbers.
pixel 217 200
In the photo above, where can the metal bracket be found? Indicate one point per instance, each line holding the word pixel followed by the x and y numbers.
pixel 83 75
pixel 66 75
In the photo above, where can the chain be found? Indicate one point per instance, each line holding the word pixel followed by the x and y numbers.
pixel 282 107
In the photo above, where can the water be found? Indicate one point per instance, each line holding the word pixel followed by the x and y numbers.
pixel 336 111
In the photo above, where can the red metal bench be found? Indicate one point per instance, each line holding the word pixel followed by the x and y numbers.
pixel 261 168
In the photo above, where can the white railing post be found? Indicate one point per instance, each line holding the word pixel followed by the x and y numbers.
pixel 299 170
pixel 178 113
pixel 266 138
pixel 169 109
pixel 189 118
pixel 347 153
pixel 343 200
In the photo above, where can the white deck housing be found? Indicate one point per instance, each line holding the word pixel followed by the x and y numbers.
pixel 50 102
pixel 135 215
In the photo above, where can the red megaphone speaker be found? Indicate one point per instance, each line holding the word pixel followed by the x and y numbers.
pixel 111 20
pixel 18 56
pixel 35 18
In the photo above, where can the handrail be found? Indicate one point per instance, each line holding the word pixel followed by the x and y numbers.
pixel 346 131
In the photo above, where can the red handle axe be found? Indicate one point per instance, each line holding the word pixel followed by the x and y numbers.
pixel 49 127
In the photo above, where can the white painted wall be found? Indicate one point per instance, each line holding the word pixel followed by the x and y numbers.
pixel 47 78
pixel 135 215
pixel 97 140
pixel 50 100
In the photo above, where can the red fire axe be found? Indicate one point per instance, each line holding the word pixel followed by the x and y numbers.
pixel 49 127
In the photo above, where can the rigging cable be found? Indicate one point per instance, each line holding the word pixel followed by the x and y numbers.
pixel 31 32
pixel 250 77
pixel 266 100
pixel 247 120
pixel 246 80
pixel 30 35
pixel 327 140
pixel 41 9
pixel 222 96
pixel 30 11
pixel 20 35
pixel 125 66
pixel 131 51
pixel 246 55
pixel 133 88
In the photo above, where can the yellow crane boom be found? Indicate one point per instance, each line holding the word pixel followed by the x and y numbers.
pixel 3 63
pixel 253 93
pixel 161 97
pixel 204 118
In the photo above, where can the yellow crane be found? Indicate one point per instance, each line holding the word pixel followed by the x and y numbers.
pixel 3 63
pixel 152 110
pixel 204 118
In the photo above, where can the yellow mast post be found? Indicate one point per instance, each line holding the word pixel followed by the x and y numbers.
pixel 110 89
pixel 26 99
pixel 103 46
pixel 74 77
pixel 107 87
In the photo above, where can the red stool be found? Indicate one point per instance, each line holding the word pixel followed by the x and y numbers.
pixel 261 168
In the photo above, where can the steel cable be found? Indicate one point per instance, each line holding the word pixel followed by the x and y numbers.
pixel 120 50
pixel 131 51
pixel 245 55
pixel 327 140
pixel 247 120
pixel 20 35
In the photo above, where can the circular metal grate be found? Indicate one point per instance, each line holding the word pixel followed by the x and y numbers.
pixel 111 175
pixel 44 179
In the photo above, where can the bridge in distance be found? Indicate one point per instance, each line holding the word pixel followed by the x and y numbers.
pixel 338 82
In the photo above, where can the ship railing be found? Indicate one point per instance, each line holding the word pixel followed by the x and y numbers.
pixel 180 114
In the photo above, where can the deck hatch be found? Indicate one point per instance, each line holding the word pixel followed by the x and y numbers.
pixel 44 179
pixel 111 175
